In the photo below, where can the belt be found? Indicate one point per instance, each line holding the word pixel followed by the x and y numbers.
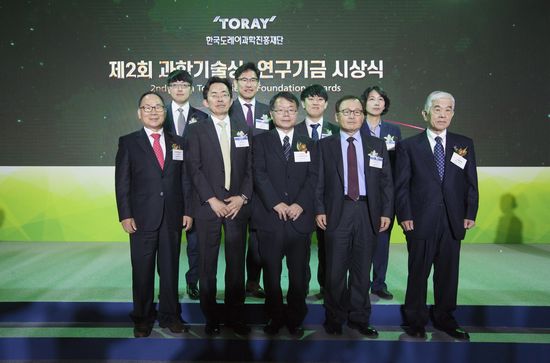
pixel 361 198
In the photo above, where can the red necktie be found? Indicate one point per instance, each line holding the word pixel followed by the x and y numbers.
pixel 158 150
pixel 353 177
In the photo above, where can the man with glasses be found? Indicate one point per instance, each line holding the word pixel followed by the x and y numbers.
pixel 285 172
pixel 220 164
pixel 178 115
pixel 256 115
pixel 152 194
pixel 354 202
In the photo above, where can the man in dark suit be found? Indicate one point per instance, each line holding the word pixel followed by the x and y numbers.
pixel 354 202
pixel 284 168
pixel 256 115
pixel 152 193
pixel 178 115
pixel 315 101
pixel 436 202
pixel 377 103
pixel 220 164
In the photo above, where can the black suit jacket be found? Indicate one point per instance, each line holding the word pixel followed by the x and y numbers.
pixel 143 189
pixel 419 192
pixel 330 188
pixel 194 113
pixel 205 165
pixel 385 130
pixel 328 128
pixel 261 110
pixel 279 180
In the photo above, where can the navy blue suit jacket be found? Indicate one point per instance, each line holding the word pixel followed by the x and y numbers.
pixel 385 130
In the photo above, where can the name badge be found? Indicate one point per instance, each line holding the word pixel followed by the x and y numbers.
pixel 375 162
pixel 458 160
pixel 241 141
pixel 262 124
pixel 177 154
pixel 390 145
pixel 325 135
pixel 302 157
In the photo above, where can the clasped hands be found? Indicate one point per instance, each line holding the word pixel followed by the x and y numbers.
pixel 288 212
pixel 229 208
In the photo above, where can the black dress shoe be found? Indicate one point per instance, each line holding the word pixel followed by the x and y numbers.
pixel 193 291
pixel 142 330
pixel 272 327
pixel 296 330
pixel 364 329
pixel 457 333
pixel 255 290
pixel 212 329
pixel 415 332
pixel 332 328
pixel 383 294
pixel 239 327
pixel 175 327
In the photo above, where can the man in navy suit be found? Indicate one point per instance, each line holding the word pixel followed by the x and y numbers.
pixel 256 115
pixel 220 166
pixel 284 168
pixel 436 202
pixel 377 103
pixel 178 115
pixel 354 202
pixel 315 101
pixel 152 193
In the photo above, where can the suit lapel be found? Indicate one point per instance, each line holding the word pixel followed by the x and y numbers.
pixel 168 141
pixel 336 151
pixel 427 154
pixel 213 136
pixel 275 145
pixel 143 141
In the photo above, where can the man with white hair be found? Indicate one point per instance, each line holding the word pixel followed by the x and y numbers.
pixel 436 202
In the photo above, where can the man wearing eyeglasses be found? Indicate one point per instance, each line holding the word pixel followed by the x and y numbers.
pixel 178 115
pixel 256 115
pixel 285 171
pixel 354 202
pixel 220 164
pixel 153 194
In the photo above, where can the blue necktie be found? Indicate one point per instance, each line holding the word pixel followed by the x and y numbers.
pixel 439 156
pixel 286 147
pixel 314 133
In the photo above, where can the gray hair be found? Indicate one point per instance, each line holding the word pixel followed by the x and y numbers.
pixel 436 95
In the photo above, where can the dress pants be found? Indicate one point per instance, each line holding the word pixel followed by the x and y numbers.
pixel 146 247
pixel 380 260
pixel 321 257
pixel 349 248
pixel 192 275
pixel 285 241
pixel 253 261
pixel 443 251
pixel 209 236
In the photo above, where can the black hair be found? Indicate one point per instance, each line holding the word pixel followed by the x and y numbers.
pixel 179 75
pixel 213 80
pixel 381 92
pixel 346 98
pixel 249 66
pixel 287 96
pixel 314 90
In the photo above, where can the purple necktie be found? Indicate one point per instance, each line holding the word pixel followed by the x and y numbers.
pixel 249 116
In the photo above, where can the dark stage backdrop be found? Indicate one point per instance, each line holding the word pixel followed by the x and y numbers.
pixel 72 71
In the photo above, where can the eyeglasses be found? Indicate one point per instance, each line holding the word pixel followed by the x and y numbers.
pixel 248 80
pixel 180 85
pixel 290 111
pixel 348 112
pixel 149 109
pixel 219 95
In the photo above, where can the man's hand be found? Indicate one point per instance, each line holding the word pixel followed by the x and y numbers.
pixel 384 224
pixel 294 211
pixel 281 210
pixel 469 224
pixel 219 207
pixel 407 225
pixel 187 223
pixel 234 205
pixel 321 220
pixel 129 225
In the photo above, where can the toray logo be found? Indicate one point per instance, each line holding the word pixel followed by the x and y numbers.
pixel 244 23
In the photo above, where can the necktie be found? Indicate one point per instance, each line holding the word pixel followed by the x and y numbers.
pixel 226 152
pixel 249 116
pixel 181 122
pixel 158 149
pixel 439 156
pixel 314 133
pixel 353 177
pixel 286 147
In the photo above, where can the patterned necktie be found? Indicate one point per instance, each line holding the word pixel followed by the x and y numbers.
pixel 158 149
pixel 353 177
pixel 286 147
pixel 314 133
pixel 439 156
pixel 226 152
pixel 249 116
pixel 181 121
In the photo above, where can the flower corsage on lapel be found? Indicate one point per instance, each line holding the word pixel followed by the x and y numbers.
pixel 375 160
pixel 462 151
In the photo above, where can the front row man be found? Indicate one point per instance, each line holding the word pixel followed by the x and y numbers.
pixel 354 202
pixel 152 194
pixel 436 202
